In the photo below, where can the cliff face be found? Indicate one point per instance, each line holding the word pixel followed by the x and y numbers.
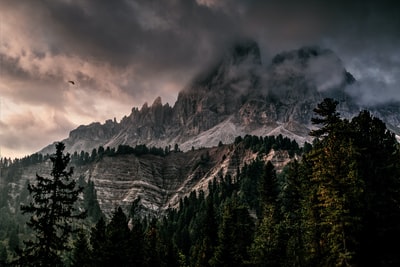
pixel 159 182
pixel 237 96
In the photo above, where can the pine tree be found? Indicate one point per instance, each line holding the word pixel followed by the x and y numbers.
pixel 13 241
pixel 3 255
pixel 379 166
pixel 209 234
pixel 293 197
pixel 337 189
pixel 327 117
pixel 154 250
pixel 266 249
pixel 53 212
pixel 90 202
pixel 338 200
pixel 136 234
pixel 81 255
pixel 355 176
pixel 118 243
pixel 235 235
pixel 98 241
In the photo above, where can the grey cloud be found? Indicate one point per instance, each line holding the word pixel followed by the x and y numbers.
pixel 325 71
pixel 153 38
pixel 163 37
pixel 377 86
pixel 158 34
pixel 132 51
pixel 36 132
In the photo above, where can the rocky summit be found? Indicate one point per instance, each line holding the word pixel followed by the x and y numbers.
pixel 157 182
pixel 239 95
pixel 236 96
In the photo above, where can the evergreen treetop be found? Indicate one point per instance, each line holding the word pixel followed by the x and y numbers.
pixel 53 211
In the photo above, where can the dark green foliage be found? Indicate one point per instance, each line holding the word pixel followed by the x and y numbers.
pixel 338 191
pixel 353 190
pixel 264 145
pixel 3 255
pixel 208 235
pixel 378 165
pixel 249 184
pixel 13 240
pixel 137 248
pixel 293 197
pixel 117 245
pixel 268 185
pixel 53 212
pixel 176 148
pixel 81 253
pixel 98 241
pixel 91 204
pixel 336 205
pixel 25 161
pixel 234 236
pixel 267 247
pixel 97 154
pixel 327 117
pixel 128 242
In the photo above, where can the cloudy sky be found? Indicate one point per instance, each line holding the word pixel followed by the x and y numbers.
pixel 122 53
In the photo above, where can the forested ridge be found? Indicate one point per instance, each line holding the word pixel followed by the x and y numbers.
pixel 338 204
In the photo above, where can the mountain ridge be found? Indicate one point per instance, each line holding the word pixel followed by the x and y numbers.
pixel 156 182
pixel 236 96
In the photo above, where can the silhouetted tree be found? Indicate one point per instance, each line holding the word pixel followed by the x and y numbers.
pixel 81 255
pixel 327 116
pixel 53 211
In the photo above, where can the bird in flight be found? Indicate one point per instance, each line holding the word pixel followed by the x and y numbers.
pixel 72 82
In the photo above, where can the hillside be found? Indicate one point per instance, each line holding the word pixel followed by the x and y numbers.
pixel 236 96
pixel 158 181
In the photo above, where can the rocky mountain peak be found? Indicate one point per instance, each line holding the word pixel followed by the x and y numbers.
pixel 245 50
pixel 237 63
pixel 311 69
pixel 157 102
pixel 302 55
pixel 236 96
pixel 145 107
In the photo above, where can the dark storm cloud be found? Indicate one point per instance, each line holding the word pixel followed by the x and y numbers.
pixel 122 53
pixel 170 36
pixel 364 34
pixel 157 34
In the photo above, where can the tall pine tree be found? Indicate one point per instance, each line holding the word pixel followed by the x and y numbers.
pixel 53 211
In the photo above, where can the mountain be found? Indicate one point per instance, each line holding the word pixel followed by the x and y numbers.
pixel 157 181
pixel 236 96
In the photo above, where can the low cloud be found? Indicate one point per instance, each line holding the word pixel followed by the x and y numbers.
pixel 123 53
pixel 326 72
pixel 29 131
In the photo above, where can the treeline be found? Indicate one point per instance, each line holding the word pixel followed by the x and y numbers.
pixel 256 143
pixel 338 206
pixel 25 161
pixel 13 227
pixel 139 150
pixel 265 144
pixel 85 157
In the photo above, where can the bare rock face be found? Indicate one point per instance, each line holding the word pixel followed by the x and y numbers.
pixel 236 96
pixel 159 182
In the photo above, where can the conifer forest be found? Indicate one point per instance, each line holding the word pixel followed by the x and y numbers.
pixel 336 203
